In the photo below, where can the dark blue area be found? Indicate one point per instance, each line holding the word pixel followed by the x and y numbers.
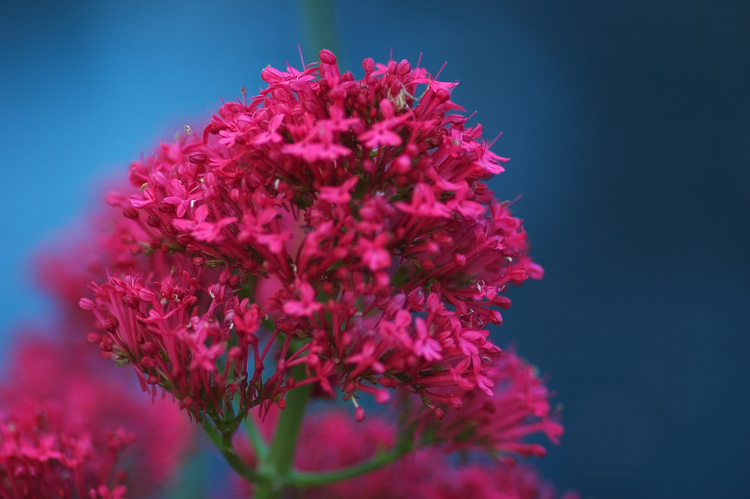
pixel 628 125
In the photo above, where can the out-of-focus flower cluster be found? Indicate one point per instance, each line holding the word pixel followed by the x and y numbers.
pixel 352 214
pixel 428 474
pixel 70 429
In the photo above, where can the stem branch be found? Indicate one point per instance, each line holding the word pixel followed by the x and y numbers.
pixel 378 461
pixel 223 440
pixel 256 439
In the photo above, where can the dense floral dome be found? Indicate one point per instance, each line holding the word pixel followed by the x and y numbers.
pixel 341 226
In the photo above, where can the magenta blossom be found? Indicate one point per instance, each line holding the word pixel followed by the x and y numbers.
pixel 362 202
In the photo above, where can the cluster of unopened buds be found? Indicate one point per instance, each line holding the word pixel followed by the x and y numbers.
pixel 329 238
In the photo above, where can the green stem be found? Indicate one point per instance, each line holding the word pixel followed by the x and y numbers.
pixel 256 439
pixel 319 21
pixel 223 441
pixel 378 461
pixel 278 464
pixel 282 450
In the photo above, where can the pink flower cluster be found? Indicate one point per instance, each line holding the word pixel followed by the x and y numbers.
pixel 498 423
pixel 40 460
pixel 70 430
pixel 352 214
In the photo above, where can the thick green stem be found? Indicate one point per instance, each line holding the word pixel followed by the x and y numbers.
pixel 282 450
pixel 378 461
pixel 320 26
pixel 278 465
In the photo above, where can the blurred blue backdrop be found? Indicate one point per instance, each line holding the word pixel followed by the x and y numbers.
pixel 628 124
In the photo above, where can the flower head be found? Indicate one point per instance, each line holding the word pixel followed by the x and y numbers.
pixel 352 213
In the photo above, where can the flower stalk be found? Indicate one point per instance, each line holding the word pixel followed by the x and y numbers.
pixel 278 462
pixel 223 441
pixel 380 460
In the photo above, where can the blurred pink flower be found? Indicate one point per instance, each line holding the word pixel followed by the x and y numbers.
pixel 70 425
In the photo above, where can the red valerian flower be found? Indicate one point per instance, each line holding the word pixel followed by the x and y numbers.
pixel 353 214
pixel 39 460
pixel 69 429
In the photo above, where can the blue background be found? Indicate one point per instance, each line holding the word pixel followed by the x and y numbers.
pixel 628 124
